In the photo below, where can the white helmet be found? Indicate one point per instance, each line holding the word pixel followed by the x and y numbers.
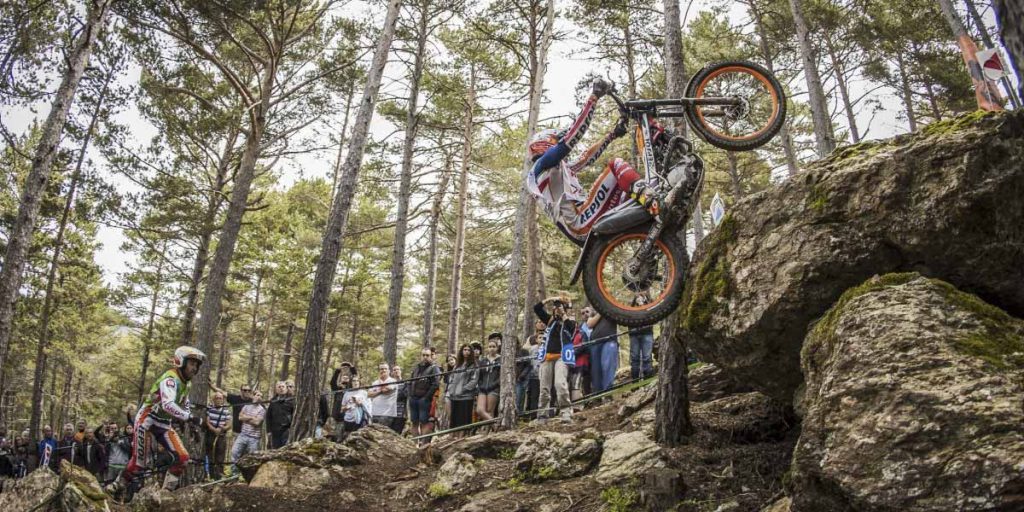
pixel 185 352
pixel 542 141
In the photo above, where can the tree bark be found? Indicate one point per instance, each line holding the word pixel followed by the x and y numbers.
pixel 769 62
pixel 216 281
pixel 672 422
pixel 533 262
pixel 908 95
pixel 507 398
pixel 824 137
pixel 734 174
pixel 252 328
pixel 307 395
pixel 147 341
pixel 353 341
pixel 214 202
pixel 404 192
pixel 51 275
pixel 1011 31
pixel 675 66
pixel 286 357
pixel 844 90
pixel 20 237
pixel 266 339
pixel 225 342
pixel 429 295
pixel 460 218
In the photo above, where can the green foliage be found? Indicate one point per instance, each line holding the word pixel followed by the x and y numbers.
pixel 621 499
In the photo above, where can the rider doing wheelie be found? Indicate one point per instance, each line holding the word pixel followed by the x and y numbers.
pixel 555 183
pixel 167 400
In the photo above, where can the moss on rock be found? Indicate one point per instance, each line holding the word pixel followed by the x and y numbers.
pixel 708 292
pixel 958 123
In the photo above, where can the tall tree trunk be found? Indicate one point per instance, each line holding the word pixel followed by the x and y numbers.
pixel 214 202
pixel 266 339
pixel 769 62
pixel 225 352
pixel 252 328
pixel 933 102
pixel 734 174
pixel 429 295
pixel 307 402
pixel 672 411
pixel 147 340
pixel 672 422
pixel 51 274
pixel 460 218
pixel 349 95
pixel 20 236
pixel 354 336
pixel 986 100
pixel 286 357
pixel 908 94
pixel 216 281
pixel 844 89
pixel 533 263
pixel 53 396
pixel 675 66
pixel 824 137
pixel 507 399
pixel 404 192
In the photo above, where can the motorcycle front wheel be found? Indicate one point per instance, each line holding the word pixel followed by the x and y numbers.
pixel 629 298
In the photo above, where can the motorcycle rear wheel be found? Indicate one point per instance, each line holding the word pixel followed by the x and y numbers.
pixel 611 294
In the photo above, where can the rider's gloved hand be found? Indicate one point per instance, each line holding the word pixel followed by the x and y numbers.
pixel 195 419
pixel 620 128
pixel 600 87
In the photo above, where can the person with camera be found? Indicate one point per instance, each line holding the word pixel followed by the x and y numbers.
pixel 556 356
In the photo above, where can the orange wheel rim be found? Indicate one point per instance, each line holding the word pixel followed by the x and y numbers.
pixel 741 69
pixel 670 273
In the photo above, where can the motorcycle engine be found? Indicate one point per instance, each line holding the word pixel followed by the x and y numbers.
pixel 682 170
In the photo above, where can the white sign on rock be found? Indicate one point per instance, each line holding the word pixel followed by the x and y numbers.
pixel 717 209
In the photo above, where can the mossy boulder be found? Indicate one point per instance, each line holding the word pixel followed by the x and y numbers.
pixel 912 402
pixel 945 202
pixel 557 456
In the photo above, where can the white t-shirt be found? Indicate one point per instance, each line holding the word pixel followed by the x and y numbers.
pixel 386 404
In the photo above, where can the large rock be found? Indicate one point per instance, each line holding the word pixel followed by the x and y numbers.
pixel 628 455
pixel 638 399
pixel 554 456
pixel 457 473
pixel 279 473
pixel 945 202
pixel 490 445
pixel 368 445
pixel 29 492
pixel 708 382
pixel 912 402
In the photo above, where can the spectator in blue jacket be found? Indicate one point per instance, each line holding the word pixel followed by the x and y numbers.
pixel 48 449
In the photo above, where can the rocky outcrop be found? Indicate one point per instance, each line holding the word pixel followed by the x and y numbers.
pixel 555 456
pixel 74 490
pixel 29 492
pixel 626 456
pixel 638 399
pixel 912 402
pixel 283 474
pixel 944 202
pixel 708 382
pixel 367 445
pixel 456 473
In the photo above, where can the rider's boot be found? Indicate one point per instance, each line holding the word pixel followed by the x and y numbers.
pixel 645 195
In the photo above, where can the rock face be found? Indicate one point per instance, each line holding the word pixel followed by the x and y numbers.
pixel 456 473
pixel 944 202
pixel 367 445
pixel 708 382
pixel 628 455
pixel 277 473
pixel 28 492
pixel 554 456
pixel 912 402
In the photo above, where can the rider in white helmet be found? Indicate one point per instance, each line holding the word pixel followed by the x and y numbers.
pixel 554 181
pixel 167 400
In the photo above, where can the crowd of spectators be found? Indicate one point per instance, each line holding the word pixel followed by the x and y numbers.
pixel 555 368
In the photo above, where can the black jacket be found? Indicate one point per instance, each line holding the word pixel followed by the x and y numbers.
pixel 559 332
pixel 425 388
pixel 279 414
pixel 237 402
pixel 488 375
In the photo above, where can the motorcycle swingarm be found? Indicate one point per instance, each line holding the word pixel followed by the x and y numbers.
pixel 578 269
